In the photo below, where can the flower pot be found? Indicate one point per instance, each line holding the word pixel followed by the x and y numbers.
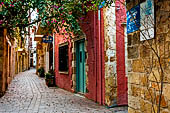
pixel 49 82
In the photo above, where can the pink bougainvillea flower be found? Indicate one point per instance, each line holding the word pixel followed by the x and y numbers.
pixel 1 22
pixel 55 6
pixel 2 3
pixel 51 21
pixel 65 40
pixel 63 21
pixel 61 8
pixel 66 33
pixel 81 18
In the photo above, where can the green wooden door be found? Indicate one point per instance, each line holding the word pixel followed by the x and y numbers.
pixel 80 67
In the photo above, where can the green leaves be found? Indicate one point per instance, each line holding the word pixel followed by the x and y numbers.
pixel 51 13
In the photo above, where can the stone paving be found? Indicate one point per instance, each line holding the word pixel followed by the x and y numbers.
pixel 28 94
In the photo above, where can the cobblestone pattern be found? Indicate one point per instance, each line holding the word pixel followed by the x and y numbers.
pixel 28 94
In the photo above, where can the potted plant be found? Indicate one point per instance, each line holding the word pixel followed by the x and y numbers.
pixel 50 79
pixel 41 72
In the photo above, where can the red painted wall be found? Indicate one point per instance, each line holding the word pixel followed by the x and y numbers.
pixel 95 49
pixel 120 54
pixel 89 25
pixel 62 80
pixel 102 57
pixel 94 30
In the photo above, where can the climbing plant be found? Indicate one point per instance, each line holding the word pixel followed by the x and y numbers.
pixel 54 14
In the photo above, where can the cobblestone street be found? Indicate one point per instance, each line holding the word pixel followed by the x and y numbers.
pixel 28 94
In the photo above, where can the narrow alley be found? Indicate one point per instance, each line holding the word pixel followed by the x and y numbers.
pixel 84 56
pixel 28 94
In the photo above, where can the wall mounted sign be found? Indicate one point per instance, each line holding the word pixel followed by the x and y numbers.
pixel 147 20
pixel 47 39
pixel 133 19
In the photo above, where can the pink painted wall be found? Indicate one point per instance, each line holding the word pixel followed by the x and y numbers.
pixel 120 54
pixel 62 80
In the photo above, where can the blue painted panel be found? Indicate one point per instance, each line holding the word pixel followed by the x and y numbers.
pixel 133 19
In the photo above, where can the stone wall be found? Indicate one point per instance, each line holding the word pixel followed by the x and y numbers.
pixel 110 56
pixel 144 77
pixel 74 66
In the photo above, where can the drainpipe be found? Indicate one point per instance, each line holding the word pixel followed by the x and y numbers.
pixel 53 49
pixel 53 68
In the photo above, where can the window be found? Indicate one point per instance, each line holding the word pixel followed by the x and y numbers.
pixel 63 57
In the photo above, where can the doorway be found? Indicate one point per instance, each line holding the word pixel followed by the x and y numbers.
pixel 80 67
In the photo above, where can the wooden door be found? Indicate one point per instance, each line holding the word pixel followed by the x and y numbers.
pixel 80 76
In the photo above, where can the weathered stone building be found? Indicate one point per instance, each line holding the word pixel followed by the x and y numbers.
pixel 115 53
pixel 110 55
pixel 44 51
pixel 149 61
pixel 44 56
pixel 13 58
pixel 22 53
pixel 7 60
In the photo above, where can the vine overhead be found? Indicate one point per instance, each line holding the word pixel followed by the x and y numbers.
pixel 55 14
